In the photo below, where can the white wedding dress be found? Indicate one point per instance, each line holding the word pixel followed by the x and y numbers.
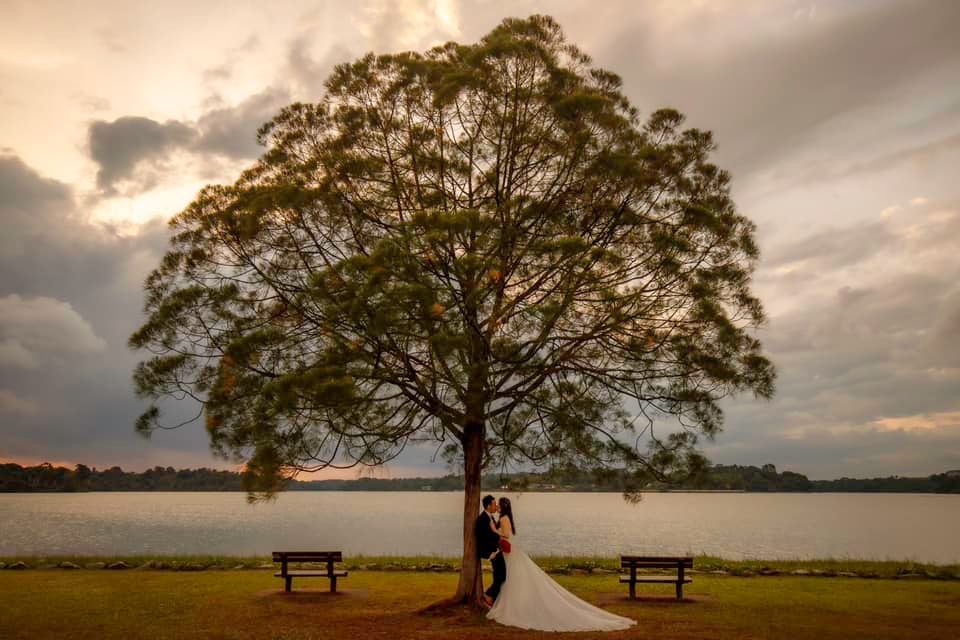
pixel 530 599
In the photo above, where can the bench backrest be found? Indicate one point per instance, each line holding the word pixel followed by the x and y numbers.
pixel 308 556
pixel 655 562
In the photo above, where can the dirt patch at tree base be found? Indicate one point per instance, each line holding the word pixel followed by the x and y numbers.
pixel 312 595
pixel 604 599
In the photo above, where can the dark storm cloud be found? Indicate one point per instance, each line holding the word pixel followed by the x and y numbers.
pixel 46 247
pixel 763 96
pixel 70 295
pixel 127 143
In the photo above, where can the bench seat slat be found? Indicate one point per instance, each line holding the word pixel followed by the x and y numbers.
pixel 312 574
pixel 653 579
pixel 300 556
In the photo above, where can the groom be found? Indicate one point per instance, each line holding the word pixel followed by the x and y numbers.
pixel 488 546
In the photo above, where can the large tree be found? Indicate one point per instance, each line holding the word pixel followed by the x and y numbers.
pixel 481 246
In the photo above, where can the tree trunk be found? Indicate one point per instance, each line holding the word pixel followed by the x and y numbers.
pixel 470 588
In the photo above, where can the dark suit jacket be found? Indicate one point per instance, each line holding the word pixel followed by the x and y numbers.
pixel 487 540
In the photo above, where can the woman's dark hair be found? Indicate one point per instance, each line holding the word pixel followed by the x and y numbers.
pixel 506 509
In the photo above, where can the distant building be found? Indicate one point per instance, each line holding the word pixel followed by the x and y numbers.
pixel 426 487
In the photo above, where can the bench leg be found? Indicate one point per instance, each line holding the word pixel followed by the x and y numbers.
pixel 289 581
pixel 333 584
pixel 679 591
pixel 633 590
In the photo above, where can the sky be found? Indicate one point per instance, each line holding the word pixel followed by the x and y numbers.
pixel 839 121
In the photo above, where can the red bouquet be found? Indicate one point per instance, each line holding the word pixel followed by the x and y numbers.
pixel 504 545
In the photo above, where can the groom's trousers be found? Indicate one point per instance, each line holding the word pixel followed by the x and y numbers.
pixel 499 575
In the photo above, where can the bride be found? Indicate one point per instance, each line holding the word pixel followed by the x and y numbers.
pixel 530 599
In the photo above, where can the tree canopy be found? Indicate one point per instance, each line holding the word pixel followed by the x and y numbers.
pixel 480 246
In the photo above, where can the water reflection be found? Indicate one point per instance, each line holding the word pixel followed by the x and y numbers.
pixel 878 526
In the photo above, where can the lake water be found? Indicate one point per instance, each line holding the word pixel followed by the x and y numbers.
pixel 919 527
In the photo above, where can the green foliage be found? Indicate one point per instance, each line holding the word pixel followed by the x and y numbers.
pixel 479 246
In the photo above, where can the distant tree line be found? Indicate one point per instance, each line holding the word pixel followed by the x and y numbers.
pixel 948 482
pixel 46 477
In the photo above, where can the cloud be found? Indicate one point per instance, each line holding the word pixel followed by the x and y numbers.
pixel 832 247
pixel 70 295
pixel 91 103
pixel 22 188
pixel 868 370
pixel 838 450
pixel 393 25
pixel 14 355
pixel 112 40
pixel 845 113
pixel 224 70
pixel 122 146
pixel 48 247
pixel 11 403
pixel 918 240
pixel 34 327
pixel 132 151
pixel 308 74
pixel 921 156
pixel 231 131
pixel 765 82
pixel 219 72
pixel 924 421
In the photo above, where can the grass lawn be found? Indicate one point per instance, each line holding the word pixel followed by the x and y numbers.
pixel 374 604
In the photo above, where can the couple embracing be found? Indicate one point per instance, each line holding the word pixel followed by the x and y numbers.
pixel 522 595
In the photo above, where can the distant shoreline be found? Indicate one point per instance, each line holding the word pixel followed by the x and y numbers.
pixel 46 478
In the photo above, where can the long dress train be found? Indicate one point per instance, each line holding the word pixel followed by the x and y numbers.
pixel 531 599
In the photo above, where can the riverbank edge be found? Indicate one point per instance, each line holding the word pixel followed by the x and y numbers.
pixel 569 565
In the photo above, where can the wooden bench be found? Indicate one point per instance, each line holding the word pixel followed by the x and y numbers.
pixel 632 563
pixel 329 557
